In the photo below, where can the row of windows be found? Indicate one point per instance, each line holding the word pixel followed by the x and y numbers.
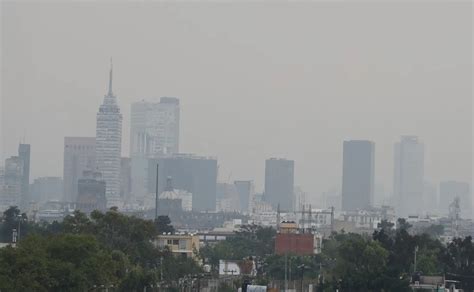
pixel 80 147
pixel 181 243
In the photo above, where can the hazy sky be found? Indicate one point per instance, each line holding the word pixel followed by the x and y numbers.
pixel 255 80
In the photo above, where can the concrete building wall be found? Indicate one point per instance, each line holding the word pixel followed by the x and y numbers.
pixel 299 244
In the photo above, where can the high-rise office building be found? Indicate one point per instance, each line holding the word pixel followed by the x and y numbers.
pixel 24 155
pixel 409 175
pixel 449 190
pixel 194 174
pixel 154 127
pixel 227 198
pixel 79 155
pixel 44 189
pixel 109 145
pixel 154 132
pixel 245 190
pixel 91 192
pixel 279 183
pixel 358 175
pixel 125 179
pixel 11 194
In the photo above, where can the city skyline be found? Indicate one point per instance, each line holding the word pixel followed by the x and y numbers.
pixel 235 139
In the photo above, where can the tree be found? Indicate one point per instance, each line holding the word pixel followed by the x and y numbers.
pixel 9 222
pixel 55 263
pixel 77 223
pixel 459 261
pixel 163 225
pixel 402 224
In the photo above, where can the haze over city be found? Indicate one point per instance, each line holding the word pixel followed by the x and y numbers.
pixel 237 146
pixel 254 80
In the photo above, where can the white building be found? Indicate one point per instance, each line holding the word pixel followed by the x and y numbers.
pixel 171 193
pixel 409 176
pixel 109 145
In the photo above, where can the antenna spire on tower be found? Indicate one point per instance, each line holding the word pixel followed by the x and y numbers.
pixel 110 77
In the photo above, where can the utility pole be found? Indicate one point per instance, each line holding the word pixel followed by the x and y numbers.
pixel 286 271
pixel 19 217
pixel 416 250
pixel 289 270
pixel 161 269
pixel 302 267
pixel 157 194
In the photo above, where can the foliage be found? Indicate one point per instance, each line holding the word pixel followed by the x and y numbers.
pixel 250 241
pixel 82 251
pixel 459 261
pixel 56 263
pixel 163 225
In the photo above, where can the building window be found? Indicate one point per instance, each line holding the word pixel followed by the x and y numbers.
pixel 182 244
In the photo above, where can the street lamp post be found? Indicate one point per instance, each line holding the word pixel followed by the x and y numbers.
pixel 302 267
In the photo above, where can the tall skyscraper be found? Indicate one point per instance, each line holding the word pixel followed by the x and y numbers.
pixel 279 183
pixel 109 145
pixel 449 190
pixel 409 175
pixel 24 155
pixel 358 175
pixel 79 155
pixel 154 127
pixel 154 132
pixel 12 183
pixel 245 191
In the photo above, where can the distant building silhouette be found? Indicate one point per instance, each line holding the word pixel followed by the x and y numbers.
pixel 358 175
pixel 24 155
pixel 409 175
pixel 109 145
pixel 44 189
pixel 172 200
pixel 11 193
pixel 154 133
pixel 154 127
pixel 245 189
pixel 449 191
pixel 279 183
pixel 125 179
pixel 91 192
pixel 79 155
pixel 194 174
pixel 227 198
